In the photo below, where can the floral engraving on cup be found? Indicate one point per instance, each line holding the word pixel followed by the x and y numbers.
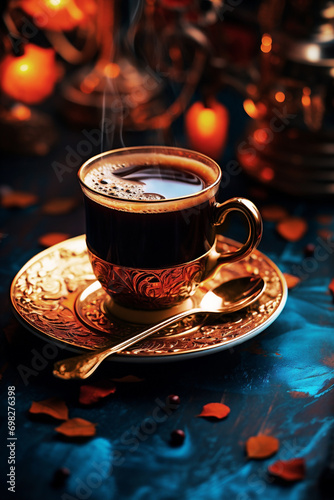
pixel 135 288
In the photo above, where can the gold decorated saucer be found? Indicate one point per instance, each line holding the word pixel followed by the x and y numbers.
pixel 54 295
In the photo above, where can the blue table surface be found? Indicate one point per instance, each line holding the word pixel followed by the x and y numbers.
pixel 280 383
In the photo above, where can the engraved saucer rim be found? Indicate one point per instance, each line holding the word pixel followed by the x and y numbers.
pixel 149 358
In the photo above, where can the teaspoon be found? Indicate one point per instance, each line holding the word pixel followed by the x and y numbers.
pixel 226 298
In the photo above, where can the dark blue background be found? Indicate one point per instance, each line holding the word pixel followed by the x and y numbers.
pixel 279 383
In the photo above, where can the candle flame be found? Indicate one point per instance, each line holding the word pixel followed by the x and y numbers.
pixel 207 121
pixel 29 78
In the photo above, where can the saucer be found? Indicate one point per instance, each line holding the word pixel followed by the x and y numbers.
pixel 56 296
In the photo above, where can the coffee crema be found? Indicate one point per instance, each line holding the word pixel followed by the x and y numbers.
pixel 160 178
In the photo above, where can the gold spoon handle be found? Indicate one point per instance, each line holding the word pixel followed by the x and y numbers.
pixel 81 367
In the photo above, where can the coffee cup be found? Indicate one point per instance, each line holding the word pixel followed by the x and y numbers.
pixel 151 220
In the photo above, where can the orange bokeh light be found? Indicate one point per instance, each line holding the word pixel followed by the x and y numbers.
pixel 267 174
pixel 20 112
pixel 266 40
pixel 58 15
pixel 306 100
pixel 265 48
pixel 250 108
pixel 280 96
pixel 31 77
pixel 112 70
pixel 266 43
pixel 260 136
pixel 89 84
pixel 254 110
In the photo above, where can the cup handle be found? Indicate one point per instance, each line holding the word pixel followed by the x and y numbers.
pixel 253 217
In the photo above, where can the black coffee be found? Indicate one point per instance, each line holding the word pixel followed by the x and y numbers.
pixel 137 223
pixel 148 182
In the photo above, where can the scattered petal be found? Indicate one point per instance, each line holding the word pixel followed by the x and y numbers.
pixel 331 287
pixel 59 206
pixel 18 199
pixel 54 407
pixel 77 427
pixel 292 228
pixel 291 280
pixel 273 213
pixel 289 470
pixel 261 446
pixel 128 379
pixel 50 239
pixel 90 394
pixel 216 410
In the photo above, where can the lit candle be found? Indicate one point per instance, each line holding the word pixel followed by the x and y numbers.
pixel 31 77
pixel 207 128
pixel 59 15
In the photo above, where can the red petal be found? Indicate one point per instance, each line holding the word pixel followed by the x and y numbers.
pixel 76 427
pixel 216 410
pixel 289 470
pixel 292 228
pixel 291 280
pixel 331 287
pixel 90 394
pixel 261 446
pixel 18 199
pixel 273 213
pixel 53 406
pixel 50 239
pixel 59 206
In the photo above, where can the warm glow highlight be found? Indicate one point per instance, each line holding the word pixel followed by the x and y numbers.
pixel 254 110
pixel 280 96
pixel 112 70
pixel 89 84
pixel 266 43
pixel 260 136
pixel 267 174
pixel 265 48
pixel 250 108
pixel 56 3
pixel 306 100
pixel 31 77
pixel 266 40
pixel 313 53
pixel 206 121
pixel 59 15
pixel 20 112
pixel 23 67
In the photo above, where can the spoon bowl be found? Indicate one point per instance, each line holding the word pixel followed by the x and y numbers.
pixel 228 297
